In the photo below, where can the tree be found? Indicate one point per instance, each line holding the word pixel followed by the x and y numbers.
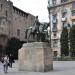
pixel 13 46
pixel 64 42
pixel 72 40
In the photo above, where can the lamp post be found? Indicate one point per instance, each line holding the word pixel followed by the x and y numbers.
pixel 49 11
pixel 49 25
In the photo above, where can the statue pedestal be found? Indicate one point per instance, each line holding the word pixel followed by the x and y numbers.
pixel 36 57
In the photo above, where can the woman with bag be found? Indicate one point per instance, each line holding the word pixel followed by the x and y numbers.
pixel 5 63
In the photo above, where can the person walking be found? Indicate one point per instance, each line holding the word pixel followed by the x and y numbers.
pixel 10 60
pixel 5 63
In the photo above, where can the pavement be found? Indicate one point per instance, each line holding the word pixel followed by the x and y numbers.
pixel 60 68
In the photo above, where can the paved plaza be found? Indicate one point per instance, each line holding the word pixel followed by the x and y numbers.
pixel 60 68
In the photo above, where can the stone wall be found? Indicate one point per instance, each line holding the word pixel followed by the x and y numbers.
pixel 13 19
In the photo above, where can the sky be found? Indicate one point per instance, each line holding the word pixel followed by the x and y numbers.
pixel 34 7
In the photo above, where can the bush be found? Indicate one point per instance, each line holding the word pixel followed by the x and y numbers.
pixel 64 42
pixel 13 46
pixel 72 40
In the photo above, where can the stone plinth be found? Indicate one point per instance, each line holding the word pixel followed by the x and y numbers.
pixel 36 57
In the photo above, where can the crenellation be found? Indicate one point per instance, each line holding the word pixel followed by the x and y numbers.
pixel 20 12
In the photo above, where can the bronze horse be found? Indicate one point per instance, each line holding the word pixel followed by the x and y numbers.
pixel 39 33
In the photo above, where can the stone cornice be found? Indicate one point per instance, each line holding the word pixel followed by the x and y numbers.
pixel 62 4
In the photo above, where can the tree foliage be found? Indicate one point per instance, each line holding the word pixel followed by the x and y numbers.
pixel 64 42
pixel 72 40
pixel 13 46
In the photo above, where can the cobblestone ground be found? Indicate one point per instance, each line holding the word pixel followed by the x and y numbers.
pixel 60 68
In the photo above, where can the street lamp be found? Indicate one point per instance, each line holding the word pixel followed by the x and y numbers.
pixel 49 25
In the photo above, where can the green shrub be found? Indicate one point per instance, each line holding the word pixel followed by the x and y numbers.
pixel 13 46
pixel 64 42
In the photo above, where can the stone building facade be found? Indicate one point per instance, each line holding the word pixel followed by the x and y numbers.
pixel 62 14
pixel 13 21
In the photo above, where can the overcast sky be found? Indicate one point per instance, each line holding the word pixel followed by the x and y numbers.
pixel 35 7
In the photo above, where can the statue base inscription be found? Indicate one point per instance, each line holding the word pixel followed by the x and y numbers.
pixel 35 57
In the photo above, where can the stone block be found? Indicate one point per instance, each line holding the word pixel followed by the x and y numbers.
pixel 35 57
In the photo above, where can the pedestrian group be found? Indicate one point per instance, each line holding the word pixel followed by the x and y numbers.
pixel 7 62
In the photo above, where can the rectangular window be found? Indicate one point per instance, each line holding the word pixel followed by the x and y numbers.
pixel 55 16
pixel 50 3
pixel 1 6
pixel 54 28
pixel 54 2
pixel 73 5
pixel 64 1
pixel 18 32
pixel 73 13
pixel 55 43
pixel 55 53
pixel 64 13
pixel 6 13
pixel 65 25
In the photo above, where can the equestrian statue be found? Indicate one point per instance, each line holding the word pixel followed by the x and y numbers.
pixel 38 32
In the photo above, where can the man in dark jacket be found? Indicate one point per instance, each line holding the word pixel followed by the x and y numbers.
pixel 11 60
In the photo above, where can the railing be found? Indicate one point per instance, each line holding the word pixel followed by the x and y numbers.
pixel 73 17
pixel 64 19
pixel 54 29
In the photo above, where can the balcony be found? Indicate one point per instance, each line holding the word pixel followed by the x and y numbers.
pixel 55 38
pixel 72 17
pixel 64 19
pixel 54 29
